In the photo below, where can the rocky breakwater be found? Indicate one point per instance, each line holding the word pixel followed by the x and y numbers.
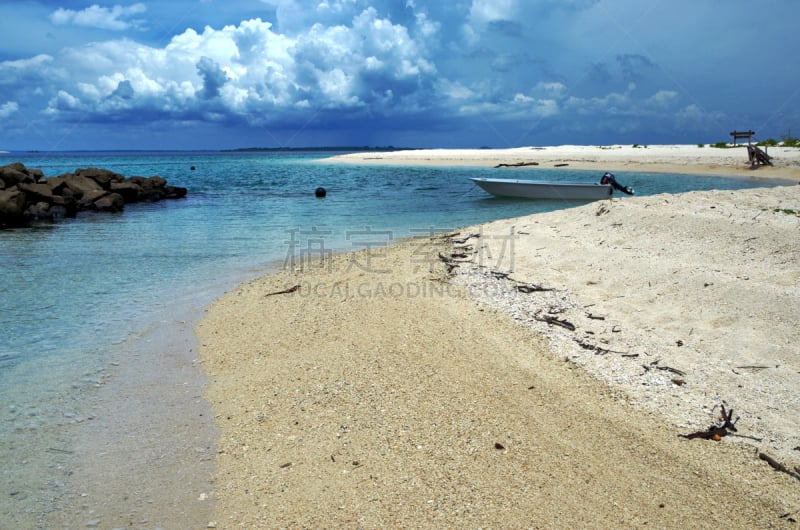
pixel 26 195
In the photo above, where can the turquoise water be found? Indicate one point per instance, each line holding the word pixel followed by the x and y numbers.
pixel 74 295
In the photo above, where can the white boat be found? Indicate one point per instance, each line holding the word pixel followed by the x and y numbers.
pixel 540 189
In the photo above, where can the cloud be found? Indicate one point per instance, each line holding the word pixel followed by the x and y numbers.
pixel 117 18
pixel 124 90
pixel 552 89
pixel 369 68
pixel 634 66
pixel 663 98
pixel 8 109
pixel 570 65
pixel 488 11
pixel 214 78
pixel 251 72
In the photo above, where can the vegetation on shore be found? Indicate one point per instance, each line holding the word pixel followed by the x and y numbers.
pixel 787 140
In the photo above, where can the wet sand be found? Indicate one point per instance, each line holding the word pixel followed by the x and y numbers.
pixel 143 456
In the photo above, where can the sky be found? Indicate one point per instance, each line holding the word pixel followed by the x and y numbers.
pixel 223 74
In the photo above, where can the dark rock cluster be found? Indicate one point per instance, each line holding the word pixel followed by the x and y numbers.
pixel 27 195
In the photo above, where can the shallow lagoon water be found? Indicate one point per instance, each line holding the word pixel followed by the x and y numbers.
pixel 78 297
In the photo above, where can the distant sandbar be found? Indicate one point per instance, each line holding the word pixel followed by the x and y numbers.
pixel 683 159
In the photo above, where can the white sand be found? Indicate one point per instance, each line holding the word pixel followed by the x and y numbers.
pixel 419 399
pixel 655 158
pixel 706 283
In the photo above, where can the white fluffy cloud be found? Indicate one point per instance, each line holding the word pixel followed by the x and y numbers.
pixel 369 65
pixel 114 18
pixel 250 71
pixel 484 11
pixel 8 108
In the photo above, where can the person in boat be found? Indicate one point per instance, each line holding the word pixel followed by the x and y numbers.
pixel 609 178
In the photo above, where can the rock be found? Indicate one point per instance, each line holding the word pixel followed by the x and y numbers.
pixel 149 183
pixel 26 195
pixel 37 174
pixel 153 188
pixel 88 199
pixel 112 202
pixel 80 184
pixel 130 191
pixel 157 182
pixel 103 177
pixel 12 207
pixel 154 195
pixel 57 184
pixel 67 203
pixel 14 174
pixel 175 192
pixel 37 192
pixel 39 211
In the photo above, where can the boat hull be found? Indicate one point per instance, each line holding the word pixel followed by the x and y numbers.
pixel 532 189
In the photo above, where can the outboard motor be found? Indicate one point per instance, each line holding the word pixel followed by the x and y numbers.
pixel 608 178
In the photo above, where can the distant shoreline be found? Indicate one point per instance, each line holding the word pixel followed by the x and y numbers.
pixel 360 149
pixel 676 159
pixel 323 149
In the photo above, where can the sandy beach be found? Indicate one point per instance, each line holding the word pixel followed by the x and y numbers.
pixel 690 159
pixel 534 372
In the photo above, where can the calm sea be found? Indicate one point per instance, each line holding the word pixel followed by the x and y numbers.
pixel 83 302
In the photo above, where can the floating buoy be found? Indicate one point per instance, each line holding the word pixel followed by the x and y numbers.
pixel 320 192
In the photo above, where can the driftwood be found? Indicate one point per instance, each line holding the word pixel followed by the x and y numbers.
pixel 60 451
pixel 591 347
pixel 523 287
pixel 460 241
pixel 285 291
pixel 598 350
pixel 664 368
pixel 716 432
pixel 553 321
pixel 749 368
pixel 518 164
pixel 777 466
pixel 450 261
pixel 528 288
pixel 671 369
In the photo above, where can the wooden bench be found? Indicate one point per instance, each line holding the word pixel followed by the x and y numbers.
pixel 742 135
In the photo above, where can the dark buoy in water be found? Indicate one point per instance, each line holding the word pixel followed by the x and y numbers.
pixel 192 168
pixel 320 192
